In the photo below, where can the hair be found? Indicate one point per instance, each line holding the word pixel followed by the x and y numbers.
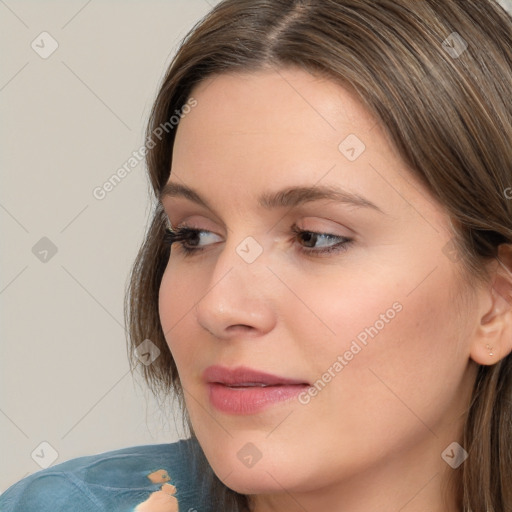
pixel 449 117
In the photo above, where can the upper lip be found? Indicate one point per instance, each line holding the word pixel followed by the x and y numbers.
pixel 242 375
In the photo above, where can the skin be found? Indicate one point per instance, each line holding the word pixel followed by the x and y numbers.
pixel 160 501
pixel 372 438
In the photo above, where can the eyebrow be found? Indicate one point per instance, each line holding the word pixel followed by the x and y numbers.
pixel 288 197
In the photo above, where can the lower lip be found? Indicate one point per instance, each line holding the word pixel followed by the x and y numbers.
pixel 250 400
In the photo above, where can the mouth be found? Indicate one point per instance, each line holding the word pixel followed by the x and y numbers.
pixel 242 390
pixel 242 376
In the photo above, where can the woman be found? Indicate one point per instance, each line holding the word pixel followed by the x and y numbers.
pixel 327 281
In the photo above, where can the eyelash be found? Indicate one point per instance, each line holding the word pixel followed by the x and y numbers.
pixel 184 234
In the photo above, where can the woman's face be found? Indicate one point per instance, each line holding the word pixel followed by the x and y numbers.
pixel 367 346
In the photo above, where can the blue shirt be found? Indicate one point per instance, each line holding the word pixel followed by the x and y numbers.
pixel 115 481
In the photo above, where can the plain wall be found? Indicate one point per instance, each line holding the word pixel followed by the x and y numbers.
pixel 68 123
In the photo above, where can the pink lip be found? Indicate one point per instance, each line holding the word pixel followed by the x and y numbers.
pixel 242 390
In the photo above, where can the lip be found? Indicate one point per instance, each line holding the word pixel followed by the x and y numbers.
pixel 242 390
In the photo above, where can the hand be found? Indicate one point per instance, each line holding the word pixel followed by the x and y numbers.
pixel 160 501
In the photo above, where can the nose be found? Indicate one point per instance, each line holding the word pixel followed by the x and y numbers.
pixel 238 300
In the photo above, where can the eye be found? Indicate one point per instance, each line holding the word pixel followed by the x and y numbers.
pixel 190 238
pixel 310 238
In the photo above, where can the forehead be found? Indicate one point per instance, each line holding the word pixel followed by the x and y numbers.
pixel 284 122
pixel 272 129
pixel 269 101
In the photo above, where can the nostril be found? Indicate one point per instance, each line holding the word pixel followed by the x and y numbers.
pixel 240 327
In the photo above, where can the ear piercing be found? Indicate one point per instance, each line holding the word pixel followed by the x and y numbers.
pixel 490 349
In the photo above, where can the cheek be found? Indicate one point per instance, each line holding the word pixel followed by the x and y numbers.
pixel 399 349
pixel 177 297
pixel 393 314
pixel 345 312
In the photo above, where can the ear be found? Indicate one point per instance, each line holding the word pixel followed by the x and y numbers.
pixel 493 339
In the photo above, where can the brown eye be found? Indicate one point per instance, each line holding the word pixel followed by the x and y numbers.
pixel 311 238
pixel 188 238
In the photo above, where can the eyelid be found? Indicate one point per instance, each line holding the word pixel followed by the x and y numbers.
pixel 325 225
pixel 305 212
pixel 184 211
pixel 202 224
pixel 318 228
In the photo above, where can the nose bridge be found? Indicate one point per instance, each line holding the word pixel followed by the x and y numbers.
pixel 243 259
pixel 238 289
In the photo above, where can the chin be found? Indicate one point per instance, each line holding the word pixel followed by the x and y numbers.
pixel 266 475
pixel 255 480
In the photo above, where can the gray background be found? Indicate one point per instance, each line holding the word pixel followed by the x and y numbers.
pixel 69 122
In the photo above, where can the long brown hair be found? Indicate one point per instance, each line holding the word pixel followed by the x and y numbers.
pixel 438 76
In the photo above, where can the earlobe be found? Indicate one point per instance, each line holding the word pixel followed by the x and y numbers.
pixel 493 340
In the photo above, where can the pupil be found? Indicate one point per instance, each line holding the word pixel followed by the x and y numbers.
pixel 194 237
pixel 309 239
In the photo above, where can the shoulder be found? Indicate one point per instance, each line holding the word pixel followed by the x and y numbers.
pixel 114 481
